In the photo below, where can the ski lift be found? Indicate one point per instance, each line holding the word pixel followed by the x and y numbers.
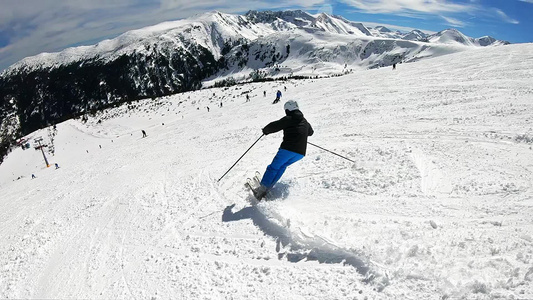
pixel 39 146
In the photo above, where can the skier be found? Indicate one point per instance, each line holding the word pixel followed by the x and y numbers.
pixel 247 98
pixel 57 166
pixel 296 129
pixel 144 133
pixel 394 66
pixel 264 93
pixel 278 97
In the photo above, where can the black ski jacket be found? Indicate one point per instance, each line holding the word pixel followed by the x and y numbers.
pixel 295 128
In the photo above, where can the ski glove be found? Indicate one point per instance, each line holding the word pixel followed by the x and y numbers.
pixel 265 132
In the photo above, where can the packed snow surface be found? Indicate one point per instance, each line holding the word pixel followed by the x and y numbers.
pixel 438 204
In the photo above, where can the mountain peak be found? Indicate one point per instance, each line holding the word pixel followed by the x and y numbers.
pixel 454 36
pixel 382 29
pixel 323 15
pixel 490 41
pixel 451 36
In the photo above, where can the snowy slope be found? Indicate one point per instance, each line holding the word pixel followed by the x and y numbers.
pixel 338 25
pixel 438 206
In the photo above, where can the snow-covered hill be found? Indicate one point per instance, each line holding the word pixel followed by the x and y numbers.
pixel 454 36
pixel 204 50
pixel 437 206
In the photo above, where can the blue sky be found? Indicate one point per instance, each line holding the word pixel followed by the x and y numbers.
pixel 29 27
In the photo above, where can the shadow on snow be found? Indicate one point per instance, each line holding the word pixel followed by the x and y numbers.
pixel 303 246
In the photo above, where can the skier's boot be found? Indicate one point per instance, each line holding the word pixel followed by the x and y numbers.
pixel 260 192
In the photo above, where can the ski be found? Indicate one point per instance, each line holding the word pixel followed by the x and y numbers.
pixel 253 184
pixel 249 184
pixel 257 179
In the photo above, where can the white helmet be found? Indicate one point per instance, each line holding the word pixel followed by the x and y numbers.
pixel 291 105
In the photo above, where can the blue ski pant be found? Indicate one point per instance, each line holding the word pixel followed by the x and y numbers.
pixel 281 161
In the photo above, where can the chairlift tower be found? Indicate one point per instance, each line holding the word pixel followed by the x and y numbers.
pixel 38 141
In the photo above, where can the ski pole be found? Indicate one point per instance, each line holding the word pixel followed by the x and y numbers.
pixel 330 152
pixel 240 158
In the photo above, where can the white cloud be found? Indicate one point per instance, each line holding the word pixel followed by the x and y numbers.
pixel 451 12
pixel 418 6
pixel 453 22
pixel 505 17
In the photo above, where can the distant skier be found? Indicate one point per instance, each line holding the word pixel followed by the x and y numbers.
pixel 394 66
pixel 264 93
pixel 57 166
pixel 296 129
pixel 278 97
pixel 207 108
pixel 144 133
pixel 33 176
pixel 247 98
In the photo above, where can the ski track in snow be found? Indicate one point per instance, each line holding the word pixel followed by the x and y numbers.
pixel 438 205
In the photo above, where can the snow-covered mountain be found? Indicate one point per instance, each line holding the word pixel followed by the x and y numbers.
pixel 438 204
pixel 204 50
pixel 416 35
pixel 453 36
pixel 489 41
pixel 212 30
pixel 384 32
